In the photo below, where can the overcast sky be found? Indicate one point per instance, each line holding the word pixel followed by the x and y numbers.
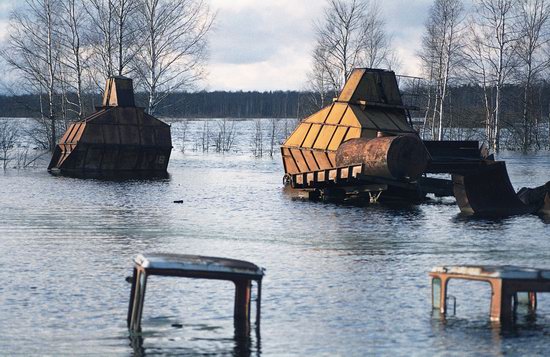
pixel 266 44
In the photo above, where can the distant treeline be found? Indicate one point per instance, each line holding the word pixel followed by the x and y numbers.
pixel 218 104
pixel 465 107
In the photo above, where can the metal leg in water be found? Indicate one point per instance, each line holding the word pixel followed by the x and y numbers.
pixel 138 300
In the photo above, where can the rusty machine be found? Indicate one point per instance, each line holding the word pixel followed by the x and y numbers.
pixel 118 138
pixel 364 146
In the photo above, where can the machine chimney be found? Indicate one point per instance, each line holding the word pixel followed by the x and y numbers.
pixel 119 92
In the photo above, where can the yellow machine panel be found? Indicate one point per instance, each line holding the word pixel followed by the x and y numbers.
pixel 369 105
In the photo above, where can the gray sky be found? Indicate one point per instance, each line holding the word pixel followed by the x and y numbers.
pixel 266 44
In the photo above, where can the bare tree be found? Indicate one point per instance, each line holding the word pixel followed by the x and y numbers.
pixel 33 50
pixel 127 29
pixel 376 44
pixel 533 16
pixel 477 70
pixel 8 137
pixel 102 33
pixel 497 44
pixel 319 85
pixel 74 60
pixel 184 129
pixel 441 51
pixel 175 51
pixel 258 139
pixel 273 133
pixel 351 34
pixel 225 137
pixel 114 34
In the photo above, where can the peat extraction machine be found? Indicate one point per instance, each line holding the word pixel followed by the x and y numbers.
pixel 118 139
pixel 363 147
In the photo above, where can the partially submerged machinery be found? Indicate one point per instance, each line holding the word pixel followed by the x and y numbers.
pixel 118 138
pixel 364 146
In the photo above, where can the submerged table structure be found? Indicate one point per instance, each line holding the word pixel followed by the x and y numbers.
pixel 241 273
pixel 506 282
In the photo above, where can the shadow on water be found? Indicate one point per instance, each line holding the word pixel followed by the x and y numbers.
pixel 115 176
pixel 242 345
pixel 468 219
pixel 528 327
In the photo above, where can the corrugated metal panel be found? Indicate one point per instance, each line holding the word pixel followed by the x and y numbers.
pixel 288 160
pixel 338 138
pixel 70 131
pixel 322 160
pixel 399 119
pixel 350 119
pixel 324 137
pixel 351 85
pixel 312 135
pixel 391 89
pixel 365 122
pixel 311 163
pixel 300 161
pixel 297 137
pixel 332 157
pixel 353 133
pixel 367 89
pixel 320 116
pixel 93 134
pixel 336 114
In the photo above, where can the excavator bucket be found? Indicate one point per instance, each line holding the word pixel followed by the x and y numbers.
pixel 488 192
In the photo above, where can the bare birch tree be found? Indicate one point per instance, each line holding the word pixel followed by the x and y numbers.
pixel 175 49
pixel 319 82
pixel 8 137
pixel 114 33
pixel 126 33
pixel 33 50
pixel 441 51
pixel 495 19
pixel 102 34
pixel 477 71
pixel 534 36
pixel 75 58
pixel 351 34
pixel 376 44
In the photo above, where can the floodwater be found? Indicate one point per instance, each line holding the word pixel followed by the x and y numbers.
pixel 341 280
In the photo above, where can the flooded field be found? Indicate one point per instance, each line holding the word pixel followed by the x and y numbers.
pixel 340 280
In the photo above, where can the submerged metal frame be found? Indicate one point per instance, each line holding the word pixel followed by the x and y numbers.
pixel 242 281
pixel 504 291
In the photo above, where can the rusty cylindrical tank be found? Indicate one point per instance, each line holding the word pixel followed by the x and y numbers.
pixel 403 156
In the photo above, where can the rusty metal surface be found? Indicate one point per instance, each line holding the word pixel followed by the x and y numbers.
pixel 398 157
pixel 119 137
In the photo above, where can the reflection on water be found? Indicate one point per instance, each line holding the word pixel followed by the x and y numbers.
pixel 341 279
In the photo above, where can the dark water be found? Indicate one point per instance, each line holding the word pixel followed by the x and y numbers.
pixel 340 280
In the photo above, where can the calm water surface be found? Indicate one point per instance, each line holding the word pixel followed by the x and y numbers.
pixel 348 281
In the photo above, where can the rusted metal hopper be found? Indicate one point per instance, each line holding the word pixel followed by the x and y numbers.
pixel 118 138
pixel 362 142
pixel 370 103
